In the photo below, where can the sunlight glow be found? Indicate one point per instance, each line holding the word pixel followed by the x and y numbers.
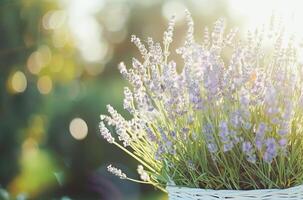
pixel 258 12
pixel 176 8
pixel 85 28
pixel 44 84
pixel 18 82
pixel 53 19
pixel 78 128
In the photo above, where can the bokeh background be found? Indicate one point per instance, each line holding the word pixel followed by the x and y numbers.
pixel 58 70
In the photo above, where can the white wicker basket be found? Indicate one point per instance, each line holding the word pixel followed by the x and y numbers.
pixel 183 193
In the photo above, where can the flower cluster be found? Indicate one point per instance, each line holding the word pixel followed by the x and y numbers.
pixel 116 172
pixel 234 110
pixel 143 174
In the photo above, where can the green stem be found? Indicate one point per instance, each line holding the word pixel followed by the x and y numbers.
pixel 132 155
pixel 149 183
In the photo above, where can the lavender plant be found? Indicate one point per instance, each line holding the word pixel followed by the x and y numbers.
pixel 223 122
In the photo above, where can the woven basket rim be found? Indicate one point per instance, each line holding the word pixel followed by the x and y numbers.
pixel 225 190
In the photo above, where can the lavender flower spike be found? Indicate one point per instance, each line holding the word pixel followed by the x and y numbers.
pixel 271 150
pixel 105 133
pixel 117 172
pixel 247 148
pixel 143 174
pixel 226 137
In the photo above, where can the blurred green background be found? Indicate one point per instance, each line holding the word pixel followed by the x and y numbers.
pixel 58 63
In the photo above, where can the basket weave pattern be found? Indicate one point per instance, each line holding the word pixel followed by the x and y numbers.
pixel 183 193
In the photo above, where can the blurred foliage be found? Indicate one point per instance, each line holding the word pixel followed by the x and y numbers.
pixel 58 63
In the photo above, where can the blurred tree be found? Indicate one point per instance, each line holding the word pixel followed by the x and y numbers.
pixel 15 107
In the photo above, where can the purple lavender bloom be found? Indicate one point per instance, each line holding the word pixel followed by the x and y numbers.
pixel 247 148
pixel 194 94
pixel 235 119
pixel 283 142
pixel 234 136
pixel 271 150
pixel 272 110
pixel 211 82
pixel 261 130
pixel 172 134
pixel 283 145
pixel 225 136
pixel 283 131
pixel 260 134
pixel 228 146
pixel 209 137
pixel 287 115
pixel 163 136
pixel 275 120
pixel 166 145
pixel 270 144
pixel 244 100
pixel 259 144
pixel 160 151
pixel 150 135
pixel 284 128
pixel 169 145
pixel 212 147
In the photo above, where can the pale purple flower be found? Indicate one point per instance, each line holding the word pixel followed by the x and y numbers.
pixel 271 150
pixel 260 135
pixel 244 100
pixel 121 126
pixel 194 94
pixel 165 144
pixel 248 149
pixel 144 176
pixel 168 34
pixel 212 147
pixel 225 136
pixel 140 46
pixel 116 172
pixel 283 131
pixel 209 137
pixel 283 142
pixel 228 146
pixel 150 134
pixel 160 151
pixel 172 134
pixel 261 130
pixel 283 145
pixel 223 131
pixel 105 133
pixel 235 119
pixel 128 102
